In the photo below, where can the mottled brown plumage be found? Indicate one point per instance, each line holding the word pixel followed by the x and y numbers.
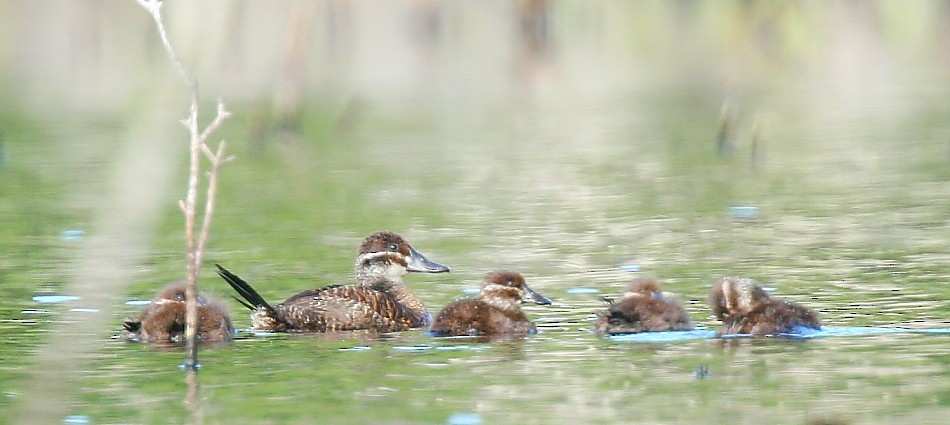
pixel 163 321
pixel 642 308
pixel 381 301
pixel 496 311
pixel 745 308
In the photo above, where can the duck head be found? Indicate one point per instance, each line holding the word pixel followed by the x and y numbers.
pixel 732 296
pixel 386 255
pixel 175 291
pixel 644 287
pixel 509 284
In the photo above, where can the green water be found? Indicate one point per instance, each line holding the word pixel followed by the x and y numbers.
pixel 565 178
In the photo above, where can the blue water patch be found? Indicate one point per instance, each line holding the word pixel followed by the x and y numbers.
pixel 555 319
pixel 702 372
pixel 357 348
pixel 471 291
pixel 799 333
pixel 85 310
pixel 453 347
pixel 412 348
pixel 72 235
pixel 806 333
pixel 582 290
pixel 462 347
pixel 630 267
pixel 54 299
pixel 660 337
pixel 744 212
pixel 77 419
pixel 138 302
pixel 464 419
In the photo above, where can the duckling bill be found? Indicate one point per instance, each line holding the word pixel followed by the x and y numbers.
pixel 495 312
pixel 745 308
pixel 163 320
pixel 642 308
pixel 381 301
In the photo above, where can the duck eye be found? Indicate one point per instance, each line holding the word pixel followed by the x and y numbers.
pixel 393 247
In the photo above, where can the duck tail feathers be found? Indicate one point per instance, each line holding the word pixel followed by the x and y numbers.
pixel 251 299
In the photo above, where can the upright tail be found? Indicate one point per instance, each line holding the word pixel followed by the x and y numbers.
pixel 252 300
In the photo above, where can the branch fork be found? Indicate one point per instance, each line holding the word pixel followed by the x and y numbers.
pixel 217 158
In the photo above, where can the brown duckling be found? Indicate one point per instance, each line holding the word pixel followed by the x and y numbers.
pixel 381 301
pixel 642 308
pixel 495 312
pixel 163 321
pixel 745 308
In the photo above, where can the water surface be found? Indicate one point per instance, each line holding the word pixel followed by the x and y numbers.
pixel 582 157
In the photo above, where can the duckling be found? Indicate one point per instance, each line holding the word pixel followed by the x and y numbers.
pixel 495 312
pixel 381 300
pixel 642 308
pixel 163 321
pixel 745 308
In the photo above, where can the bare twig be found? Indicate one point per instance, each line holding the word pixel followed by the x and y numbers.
pixel 198 138
pixel 217 160
pixel 154 8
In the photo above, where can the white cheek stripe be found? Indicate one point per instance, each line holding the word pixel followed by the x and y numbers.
pixel 495 287
pixel 165 301
pixel 373 256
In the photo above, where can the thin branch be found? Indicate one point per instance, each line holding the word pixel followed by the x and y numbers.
pixel 194 248
pixel 222 115
pixel 154 8
pixel 216 162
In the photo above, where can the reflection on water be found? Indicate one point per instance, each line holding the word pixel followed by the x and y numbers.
pixel 55 299
pixel 581 144
pixel 804 333
pixel 193 395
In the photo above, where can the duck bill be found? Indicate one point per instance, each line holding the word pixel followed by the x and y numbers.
pixel 419 263
pixel 532 296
